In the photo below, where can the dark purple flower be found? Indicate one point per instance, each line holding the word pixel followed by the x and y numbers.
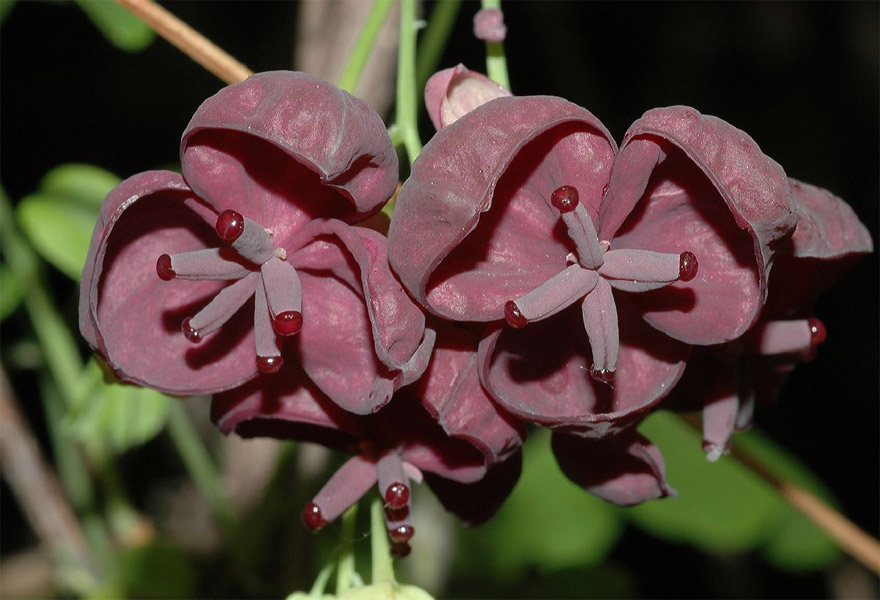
pixel 727 381
pixel 274 170
pixel 444 427
pixel 513 212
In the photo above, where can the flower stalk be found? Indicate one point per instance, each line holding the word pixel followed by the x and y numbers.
pixel 363 47
pixel 496 61
pixel 407 118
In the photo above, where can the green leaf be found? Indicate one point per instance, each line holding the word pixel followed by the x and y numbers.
pixel 5 8
pixel 115 415
pixel 156 570
pixel 58 220
pixel 720 507
pixel 547 522
pixel 10 291
pixel 120 27
pixel 724 507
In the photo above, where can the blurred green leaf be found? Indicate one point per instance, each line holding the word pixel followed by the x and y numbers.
pixel 547 522
pixel 120 27
pixel 58 220
pixel 10 291
pixel 724 507
pixel 5 8
pixel 116 415
pixel 156 570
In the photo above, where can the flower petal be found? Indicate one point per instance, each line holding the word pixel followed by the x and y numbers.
pixel 626 469
pixel 125 307
pixel 541 373
pixel 504 159
pixel 452 93
pixel 285 144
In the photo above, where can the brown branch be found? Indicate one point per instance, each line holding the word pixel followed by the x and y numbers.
pixel 188 40
pixel 844 532
pixel 34 483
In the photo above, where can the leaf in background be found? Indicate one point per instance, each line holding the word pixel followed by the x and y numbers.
pixel 547 522
pixel 723 507
pixel 120 27
pixel 115 415
pixel 10 291
pixel 5 8
pixel 156 570
pixel 58 219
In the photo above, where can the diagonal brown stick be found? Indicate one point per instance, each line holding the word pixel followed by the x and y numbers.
pixel 188 40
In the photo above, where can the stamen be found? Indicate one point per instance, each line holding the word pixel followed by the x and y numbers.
pixel 268 349
pixel 198 265
pixel 557 293
pixel 230 225
pixel 633 270
pixel 392 480
pixel 284 294
pixel 348 484
pixel 163 268
pixel 580 226
pixel 785 337
pixel 600 322
pixel 220 309
pixel 688 266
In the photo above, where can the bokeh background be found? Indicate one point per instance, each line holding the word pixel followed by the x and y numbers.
pixel 800 78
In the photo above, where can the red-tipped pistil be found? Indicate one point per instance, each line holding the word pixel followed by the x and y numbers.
pixel 288 322
pixel 687 266
pixel 312 518
pixel 400 550
pixel 230 224
pixel 817 331
pixel 401 534
pixel 513 316
pixel 603 375
pixel 396 496
pixel 190 332
pixel 564 199
pixel 269 364
pixel 163 268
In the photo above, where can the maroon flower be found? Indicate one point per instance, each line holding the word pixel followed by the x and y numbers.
pixel 444 428
pixel 274 169
pixel 513 212
pixel 728 380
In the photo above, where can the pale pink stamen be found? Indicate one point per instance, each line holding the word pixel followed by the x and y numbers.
pixel 600 322
pixel 557 293
pixel 284 294
pixel 268 349
pixel 206 264
pixel 221 308
pixel 351 481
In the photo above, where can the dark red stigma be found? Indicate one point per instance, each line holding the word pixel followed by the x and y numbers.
pixel 230 224
pixel 817 331
pixel 603 375
pixel 564 199
pixel 396 496
pixel 400 550
pixel 401 534
pixel 163 268
pixel 288 322
pixel 312 518
pixel 191 334
pixel 269 364
pixel 687 266
pixel 513 316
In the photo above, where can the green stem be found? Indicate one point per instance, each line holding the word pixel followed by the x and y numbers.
pixel 383 569
pixel 345 572
pixel 433 41
pixel 198 463
pixel 407 116
pixel 363 47
pixel 496 62
pixel 321 580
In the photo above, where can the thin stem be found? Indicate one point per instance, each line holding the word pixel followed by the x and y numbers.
pixel 363 47
pixel 496 62
pixel 847 534
pixel 433 41
pixel 188 40
pixel 199 464
pixel 345 572
pixel 321 580
pixel 380 547
pixel 407 116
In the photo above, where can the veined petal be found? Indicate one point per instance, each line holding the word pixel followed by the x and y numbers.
pixel 125 307
pixel 503 159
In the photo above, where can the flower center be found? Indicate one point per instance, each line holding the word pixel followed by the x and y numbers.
pixel 256 268
pixel 594 269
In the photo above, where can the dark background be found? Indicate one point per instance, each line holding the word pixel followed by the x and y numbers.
pixel 800 78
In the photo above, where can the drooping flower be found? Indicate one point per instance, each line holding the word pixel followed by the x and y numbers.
pixel 274 170
pixel 728 380
pixel 443 428
pixel 513 212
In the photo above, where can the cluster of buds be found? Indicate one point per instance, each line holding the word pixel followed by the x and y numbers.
pixel 534 273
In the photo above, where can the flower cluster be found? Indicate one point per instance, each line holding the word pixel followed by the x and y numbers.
pixel 534 273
